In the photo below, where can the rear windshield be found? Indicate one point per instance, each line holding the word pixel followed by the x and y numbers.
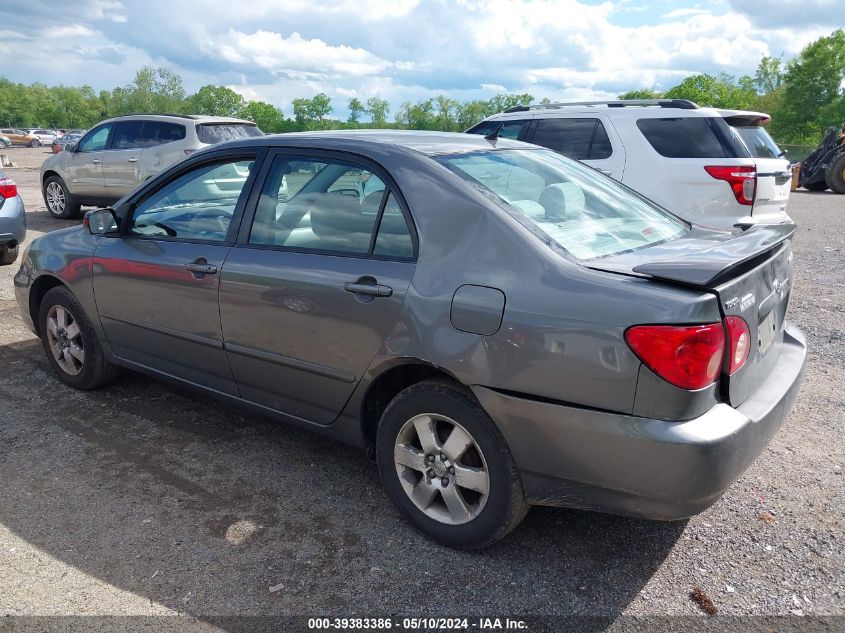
pixel 692 137
pixel 758 141
pixel 217 132
pixel 567 204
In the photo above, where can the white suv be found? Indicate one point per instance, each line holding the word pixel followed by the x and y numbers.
pixel 115 156
pixel 714 167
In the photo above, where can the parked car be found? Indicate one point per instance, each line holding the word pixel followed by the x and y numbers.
pixel 62 143
pixel 21 137
pixel 5 142
pixel 12 220
pixel 47 137
pixel 499 324
pixel 118 154
pixel 715 167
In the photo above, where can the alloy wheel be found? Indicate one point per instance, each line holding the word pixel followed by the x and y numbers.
pixel 441 469
pixel 56 198
pixel 65 340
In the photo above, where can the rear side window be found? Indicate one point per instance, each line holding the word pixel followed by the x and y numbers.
pixel 217 133
pixel 581 139
pixel 510 129
pixel 758 141
pixel 691 137
pixel 161 132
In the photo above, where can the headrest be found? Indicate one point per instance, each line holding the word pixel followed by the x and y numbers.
pixel 334 215
pixel 561 199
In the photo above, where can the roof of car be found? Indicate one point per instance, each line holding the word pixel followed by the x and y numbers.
pixel 199 118
pixel 424 142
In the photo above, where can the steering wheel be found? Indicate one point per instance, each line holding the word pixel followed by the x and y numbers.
pixel 203 223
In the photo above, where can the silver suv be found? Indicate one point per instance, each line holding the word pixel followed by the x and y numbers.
pixel 120 153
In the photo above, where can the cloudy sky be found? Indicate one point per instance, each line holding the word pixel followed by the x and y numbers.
pixel 401 50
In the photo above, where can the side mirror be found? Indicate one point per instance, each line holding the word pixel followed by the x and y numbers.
pixel 70 147
pixel 100 221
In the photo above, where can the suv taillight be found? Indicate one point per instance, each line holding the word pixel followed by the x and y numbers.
pixel 741 178
pixel 8 188
pixel 688 356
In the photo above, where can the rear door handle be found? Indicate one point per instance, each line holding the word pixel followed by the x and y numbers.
pixel 133 160
pixel 96 161
pixel 374 290
pixel 203 269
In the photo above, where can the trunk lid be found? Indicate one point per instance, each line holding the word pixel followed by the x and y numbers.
pixel 750 272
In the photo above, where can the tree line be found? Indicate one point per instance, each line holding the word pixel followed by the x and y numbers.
pixel 804 95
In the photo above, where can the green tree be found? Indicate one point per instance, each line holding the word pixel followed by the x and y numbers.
pixel 216 101
pixel 356 109
pixel 321 107
pixel 447 110
pixel 266 116
pixel 715 91
pixel 812 86
pixel 769 75
pixel 641 93
pixel 378 109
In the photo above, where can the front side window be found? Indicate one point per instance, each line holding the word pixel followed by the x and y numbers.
pixel 581 139
pixel 198 205
pixel 568 205
pixel 510 129
pixel 327 206
pixel 95 140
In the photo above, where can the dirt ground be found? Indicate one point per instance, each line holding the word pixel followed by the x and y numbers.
pixel 148 499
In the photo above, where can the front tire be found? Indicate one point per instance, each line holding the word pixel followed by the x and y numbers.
pixel 816 186
pixel 447 468
pixel 3 145
pixel 71 344
pixel 835 175
pixel 35 143
pixel 60 203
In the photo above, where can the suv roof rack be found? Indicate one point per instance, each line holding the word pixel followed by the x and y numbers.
pixel 682 104
pixel 180 116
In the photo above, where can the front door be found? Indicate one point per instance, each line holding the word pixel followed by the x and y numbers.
pixel 85 164
pixel 122 162
pixel 157 285
pixel 315 284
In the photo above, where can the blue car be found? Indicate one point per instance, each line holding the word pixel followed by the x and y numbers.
pixel 12 220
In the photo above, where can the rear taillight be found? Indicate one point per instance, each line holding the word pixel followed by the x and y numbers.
pixel 688 356
pixel 739 342
pixel 8 188
pixel 741 178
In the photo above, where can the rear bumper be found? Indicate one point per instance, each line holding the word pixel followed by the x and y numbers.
pixel 622 464
pixel 12 221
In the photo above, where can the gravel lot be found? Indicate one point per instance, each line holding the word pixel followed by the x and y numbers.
pixel 148 499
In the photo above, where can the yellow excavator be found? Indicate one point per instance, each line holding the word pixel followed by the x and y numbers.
pixel 824 168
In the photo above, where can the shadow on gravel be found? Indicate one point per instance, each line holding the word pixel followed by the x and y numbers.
pixel 207 510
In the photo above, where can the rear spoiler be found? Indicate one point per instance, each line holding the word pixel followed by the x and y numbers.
pixel 709 265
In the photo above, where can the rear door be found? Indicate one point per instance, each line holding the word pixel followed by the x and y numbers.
pixel 774 177
pixel 121 161
pixel 590 139
pixel 315 283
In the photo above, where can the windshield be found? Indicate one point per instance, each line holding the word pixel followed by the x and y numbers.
pixel 573 206
pixel 217 132
pixel 758 141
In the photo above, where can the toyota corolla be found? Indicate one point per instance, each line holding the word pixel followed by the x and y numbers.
pixel 497 324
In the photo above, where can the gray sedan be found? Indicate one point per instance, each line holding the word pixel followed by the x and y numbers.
pixel 498 325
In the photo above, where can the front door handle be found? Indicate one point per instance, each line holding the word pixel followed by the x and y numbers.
pixel 96 161
pixel 133 160
pixel 373 290
pixel 201 268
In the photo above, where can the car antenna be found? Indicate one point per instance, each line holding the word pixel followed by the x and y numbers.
pixel 494 135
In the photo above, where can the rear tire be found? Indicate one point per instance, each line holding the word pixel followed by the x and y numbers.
pixel 70 342
pixel 60 204
pixel 8 254
pixel 835 174
pixel 3 145
pixel 466 497
pixel 816 186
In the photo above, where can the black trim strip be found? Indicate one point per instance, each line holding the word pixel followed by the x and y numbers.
pixel 294 363
pixel 160 329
